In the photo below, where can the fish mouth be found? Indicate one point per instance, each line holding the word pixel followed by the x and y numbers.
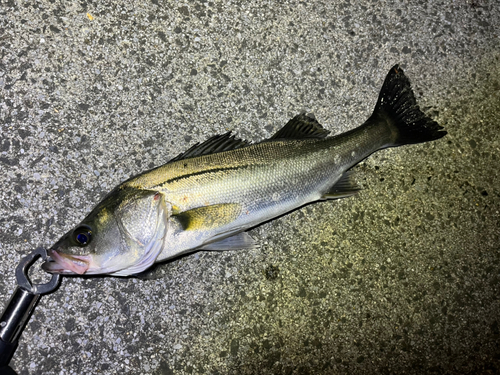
pixel 67 264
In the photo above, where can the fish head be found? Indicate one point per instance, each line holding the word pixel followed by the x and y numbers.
pixel 123 235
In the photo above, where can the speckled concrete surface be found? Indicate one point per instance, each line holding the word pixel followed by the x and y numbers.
pixel 403 278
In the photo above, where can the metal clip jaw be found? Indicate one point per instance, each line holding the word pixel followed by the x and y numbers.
pixel 22 274
pixel 21 304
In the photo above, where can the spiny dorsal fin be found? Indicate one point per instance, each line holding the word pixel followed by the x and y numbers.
pixel 217 143
pixel 300 127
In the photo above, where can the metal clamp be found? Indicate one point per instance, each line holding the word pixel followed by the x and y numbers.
pixel 22 274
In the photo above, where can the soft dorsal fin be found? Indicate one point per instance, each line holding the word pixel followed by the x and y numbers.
pixel 300 127
pixel 217 143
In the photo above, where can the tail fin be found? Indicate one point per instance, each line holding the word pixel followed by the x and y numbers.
pixel 397 105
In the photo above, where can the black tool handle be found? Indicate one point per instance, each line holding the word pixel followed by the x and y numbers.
pixel 13 320
pixel 21 305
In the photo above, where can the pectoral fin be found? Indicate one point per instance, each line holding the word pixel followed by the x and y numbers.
pixel 209 217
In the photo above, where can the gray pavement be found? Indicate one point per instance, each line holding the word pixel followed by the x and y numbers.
pixel 402 278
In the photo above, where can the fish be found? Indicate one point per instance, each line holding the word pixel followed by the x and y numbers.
pixel 208 197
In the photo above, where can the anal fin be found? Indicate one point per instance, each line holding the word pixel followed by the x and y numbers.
pixel 343 188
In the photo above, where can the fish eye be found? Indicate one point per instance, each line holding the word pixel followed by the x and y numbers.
pixel 82 235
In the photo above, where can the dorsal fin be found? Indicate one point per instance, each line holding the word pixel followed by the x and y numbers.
pixel 217 143
pixel 300 127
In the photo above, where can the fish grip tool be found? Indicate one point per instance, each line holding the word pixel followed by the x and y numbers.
pixel 21 305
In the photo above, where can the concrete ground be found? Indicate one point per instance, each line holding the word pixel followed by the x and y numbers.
pixel 402 278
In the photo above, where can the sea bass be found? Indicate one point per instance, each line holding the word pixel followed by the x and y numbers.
pixel 207 197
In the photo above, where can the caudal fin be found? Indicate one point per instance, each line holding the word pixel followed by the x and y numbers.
pixel 397 105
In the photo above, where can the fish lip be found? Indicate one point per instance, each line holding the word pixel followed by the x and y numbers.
pixel 67 264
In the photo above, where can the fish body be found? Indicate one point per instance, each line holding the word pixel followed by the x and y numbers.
pixel 207 197
pixel 253 184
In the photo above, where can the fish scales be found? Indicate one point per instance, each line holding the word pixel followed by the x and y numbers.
pixel 297 168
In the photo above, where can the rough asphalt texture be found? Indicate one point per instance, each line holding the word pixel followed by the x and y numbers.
pixel 402 278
